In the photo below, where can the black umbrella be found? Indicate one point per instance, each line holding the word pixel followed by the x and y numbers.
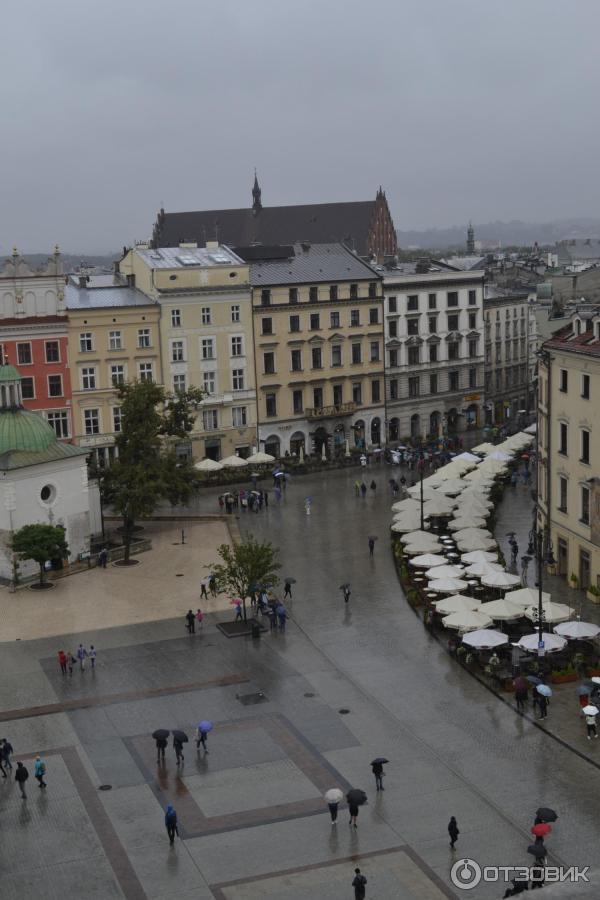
pixel 180 736
pixel 344 586
pixel 290 580
pixel 356 797
pixel 380 760
pixel 160 734
pixel 546 814
pixel 533 679
pixel 537 850
pixel 373 537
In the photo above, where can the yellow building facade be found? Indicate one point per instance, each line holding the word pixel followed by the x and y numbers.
pixel 113 336
pixel 204 299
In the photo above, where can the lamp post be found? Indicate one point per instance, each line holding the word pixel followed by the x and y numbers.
pixel 421 465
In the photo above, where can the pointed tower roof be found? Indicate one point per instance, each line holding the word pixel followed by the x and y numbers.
pixel 256 194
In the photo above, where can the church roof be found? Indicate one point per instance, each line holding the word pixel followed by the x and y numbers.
pixel 20 459
pixel 8 373
pixel 24 430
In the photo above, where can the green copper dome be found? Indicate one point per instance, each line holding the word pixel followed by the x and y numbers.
pixel 23 430
pixel 8 373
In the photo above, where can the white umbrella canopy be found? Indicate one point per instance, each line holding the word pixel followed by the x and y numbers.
pixel 493 466
pixel 405 523
pixel 461 524
pixel 428 560
pixel 447 585
pixel 465 456
pixel 470 532
pixel 261 458
pixel 438 506
pixel 444 572
pixel 208 465
pixel 478 508
pixel 531 430
pixel 428 492
pixel 467 544
pixel 234 462
pixel 502 610
pixel 406 504
pixel 455 603
pixel 466 621
pixel 526 596
pixel 574 631
pixel 478 475
pixel 422 547
pixel 479 569
pixel 485 639
pixel 479 556
pixel 418 535
pixel 486 447
pixel 452 486
pixel 501 455
pixel 552 642
pixel 500 580
pixel 553 612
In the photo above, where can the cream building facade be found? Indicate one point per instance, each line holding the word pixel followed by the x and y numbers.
pixel 204 299
pixel 569 447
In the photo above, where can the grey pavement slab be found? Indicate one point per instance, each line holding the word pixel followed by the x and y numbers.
pixel 169 872
pixel 56 881
pixel 40 733
pixel 113 763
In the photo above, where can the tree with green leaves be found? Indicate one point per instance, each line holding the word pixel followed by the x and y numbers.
pixel 147 469
pixel 40 543
pixel 245 566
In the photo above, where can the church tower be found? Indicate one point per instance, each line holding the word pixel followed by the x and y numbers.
pixel 256 192
pixel 470 239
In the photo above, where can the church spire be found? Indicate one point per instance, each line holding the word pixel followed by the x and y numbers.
pixel 256 192
pixel 470 239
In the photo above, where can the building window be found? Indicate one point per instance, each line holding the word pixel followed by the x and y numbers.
pixel 116 415
pixel 472 320
pixel 52 351
pixel 563 438
pixel 86 343
pixel 338 394
pixel 179 383
pixel 269 363
pixel 452 298
pixel 375 391
pixel 357 393
pixel 210 419
pixel 354 292
pixel 318 398
pixel 315 321
pixel 432 324
pixel 392 304
pixel 208 348
pixel 294 323
pixel 414 356
pixel 374 351
pixel 354 317
pixel 372 290
pixel 393 388
pixel 336 355
pixel 265 297
pixel 433 384
pixel 117 375
pixel 585 446
pixel 175 318
pixel 393 359
pixel 473 348
pixel 237 379
pixel 499 379
pixel 91 421
pixel 453 350
pixel 313 294
pixel 59 421
pixel 177 354
pixel 88 379
pixel 373 315
pixel 333 292
pixel 412 303
pixel 209 382
pixel 205 314
pixel 237 346
pixel 412 327
pixel 317 361
pixel 235 312
pixel 293 295
pixel 238 416
pixel 433 353
pixel 472 298
pixel 563 381
pixel 432 301
pixel 145 371
pixel 27 388
pixel 472 378
pixel 271 404
pixel 296 360
pixel 563 486
pixel 356 354
pixel 334 320
pixel 144 338
pixel 298 402
pixel 453 322
pixel 393 328
pixel 585 387
pixel 266 326
pixel 114 340
pixel 585 504
pixel 414 386
pixel 453 381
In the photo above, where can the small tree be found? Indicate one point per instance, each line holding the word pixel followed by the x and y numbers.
pixel 244 566
pixel 40 543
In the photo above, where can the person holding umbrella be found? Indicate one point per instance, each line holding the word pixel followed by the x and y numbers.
pixel 202 733
pixel 377 769
pixel 282 616
pixel 190 618
pixel 544 692
pixel 371 545
pixel 287 590
pixel 179 738
pixel 590 713
pixel 333 798
pixel 355 798
pixel 453 831
pixel 160 736
pixel 171 824
pixel 346 589
pixel 358 883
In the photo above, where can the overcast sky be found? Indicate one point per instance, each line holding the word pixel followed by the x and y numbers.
pixel 459 108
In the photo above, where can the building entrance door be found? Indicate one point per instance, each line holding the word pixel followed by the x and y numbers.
pixel 563 557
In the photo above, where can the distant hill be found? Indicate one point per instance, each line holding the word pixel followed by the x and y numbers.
pixel 504 233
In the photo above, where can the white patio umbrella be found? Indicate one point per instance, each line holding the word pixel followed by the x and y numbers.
pixel 552 642
pixel 553 612
pixel 407 504
pixel 414 536
pixel 502 610
pixel 486 447
pixel 485 639
pixel 479 556
pixel 460 524
pixel 574 631
pixel 456 603
pixel 422 547
pixel 472 532
pixel 438 506
pixel 465 456
pixel 428 560
pixel 479 474
pixel 501 455
pixel 467 544
pixel 478 508
pixel 444 572
pixel 428 492
pixel 447 585
pixel 493 466
pixel 500 580
pixel 405 524
pixel 234 462
pixel 208 465
pixel 526 596
pixel 261 458
pixel 466 621
pixel 452 486
pixel 479 569
pixel 531 429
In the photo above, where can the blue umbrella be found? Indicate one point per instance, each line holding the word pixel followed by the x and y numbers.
pixel 544 690
pixel 583 690
pixel 533 679
pixel 205 725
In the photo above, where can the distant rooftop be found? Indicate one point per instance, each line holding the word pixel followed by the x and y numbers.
pixel 186 257
pixel 312 262
pixel 567 338
pixel 466 263
pixel 499 292
pixel 103 291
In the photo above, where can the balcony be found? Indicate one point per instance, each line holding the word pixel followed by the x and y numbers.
pixel 328 412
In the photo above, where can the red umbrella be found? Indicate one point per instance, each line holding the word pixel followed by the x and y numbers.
pixel 541 830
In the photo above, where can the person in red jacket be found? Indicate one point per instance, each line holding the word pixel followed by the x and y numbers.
pixel 62 661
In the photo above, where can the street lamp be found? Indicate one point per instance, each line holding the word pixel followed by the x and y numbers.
pixel 421 466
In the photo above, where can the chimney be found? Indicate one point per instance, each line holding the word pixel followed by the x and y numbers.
pixel 83 280
pixel 422 266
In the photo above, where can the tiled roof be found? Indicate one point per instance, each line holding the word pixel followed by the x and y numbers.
pixel 564 339
pixel 312 263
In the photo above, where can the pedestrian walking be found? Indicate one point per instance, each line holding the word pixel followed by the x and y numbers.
pixel 353 810
pixel 201 736
pixel 357 488
pixel 21 776
pixel 5 751
pixel 178 747
pixel 453 832
pixel 39 771
pixel 238 611
pixel 191 622
pixel 524 567
pixel 282 616
pixel 171 824
pixel 62 661
pixel 542 703
pixel 359 884
pixel 103 557
pixel 521 698
pixel 2 769
pixel 287 590
pixel 371 546
pixel 203 586
pixel 590 722
pixel 363 488
pixel 347 592
pixel 377 768
pixel 92 655
pixel 82 656
pixel 71 661
pixel 199 618
pixel 161 746
pixel 333 812
pixel 373 485
pixel 266 499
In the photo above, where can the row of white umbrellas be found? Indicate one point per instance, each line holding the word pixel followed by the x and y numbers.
pixel 234 462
